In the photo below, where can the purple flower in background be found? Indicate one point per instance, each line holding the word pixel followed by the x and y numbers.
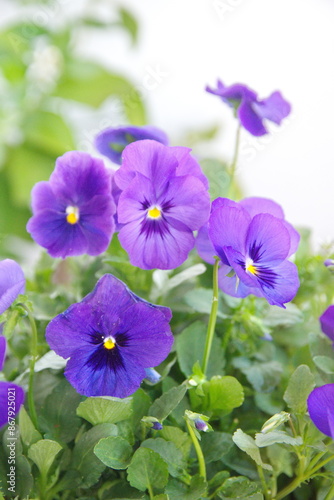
pixel 73 211
pixel 112 141
pixel 11 395
pixel 111 337
pixel 250 110
pixel 327 322
pixel 12 283
pixel 201 425
pixel 320 405
pixel 163 199
pixel 253 242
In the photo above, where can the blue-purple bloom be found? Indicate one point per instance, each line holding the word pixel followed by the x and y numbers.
pixel 201 425
pixel 320 405
pixel 112 141
pixel 73 211
pixel 164 198
pixel 12 283
pixel 327 322
pixel 11 395
pixel 111 336
pixel 253 242
pixel 250 110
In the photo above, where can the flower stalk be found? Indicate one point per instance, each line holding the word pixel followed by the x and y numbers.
pixel 212 319
pixel 198 449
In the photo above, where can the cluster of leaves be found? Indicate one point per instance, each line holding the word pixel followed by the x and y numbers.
pixel 105 448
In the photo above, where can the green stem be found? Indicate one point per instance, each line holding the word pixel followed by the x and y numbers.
pixel 320 465
pixel 263 481
pixel 235 159
pixel 212 319
pixel 34 340
pixel 198 449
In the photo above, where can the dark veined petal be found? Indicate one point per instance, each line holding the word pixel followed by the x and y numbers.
pixel 327 322
pixel 12 283
pixel 13 393
pixel 267 239
pixel 2 351
pixel 156 245
pixel 228 227
pixel 283 283
pixel 320 405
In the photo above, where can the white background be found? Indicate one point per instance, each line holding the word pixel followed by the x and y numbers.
pixel 269 45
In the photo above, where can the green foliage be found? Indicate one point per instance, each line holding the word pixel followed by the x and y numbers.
pixel 147 470
pixel 106 410
pixel 114 452
pixel 300 385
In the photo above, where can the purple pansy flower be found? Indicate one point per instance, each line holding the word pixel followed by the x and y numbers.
pixel 112 141
pixel 164 198
pixel 253 242
pixel 111 337
pixel 250 110
pixel 11 395
pixel 327 322
pixel 12 283
pixel 320 405
pixel 73 211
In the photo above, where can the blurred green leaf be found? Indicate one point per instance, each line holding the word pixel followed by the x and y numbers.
pixel 89 83
pixel 274 437
pixel 300 385
pixel 43 454
pixel 247 444
pixel 28 433
pixel 164 405
pixel 128 22
pixel 169 452
pixel 180 491
pixel 240 488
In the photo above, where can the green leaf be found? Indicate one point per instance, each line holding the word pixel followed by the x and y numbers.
pixel 324 363
pixel 43 454
pixel 288 317
pixel 190 348
pixel 86 82
pixel 273 437
pixel 200 300
pixel 264 377
pixel 147 470
pixel 129 23
pixel 164 405
pixel 180 491
pixel 141 403
pixel 114 452
pixel 28 433
pixel 84 460
pixel 102 410
pixel 215 444
pixel 58 417
pixel 48 133
pixel 247 444
pixel 240 488
pixel 225 393
pixel 300 385
pixel 181 439
pixel 169 452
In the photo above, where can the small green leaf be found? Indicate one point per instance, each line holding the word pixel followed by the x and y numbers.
pixel 300 385
pixel 324 363
pixel 43 454
pixel 84 460
pixel 114 452
pixel 240 488
pixel 225 393
pixel 180 491
pixel 169 452
pixel 215 444
pixel 105 410
pixel 247 444
pixel 129 23
pixel 164 405
pixel 190 348
pixel 273 437
pixel 181 439
pixel 28 433
pixel 200 300
pixel 147 470
pixel 264 376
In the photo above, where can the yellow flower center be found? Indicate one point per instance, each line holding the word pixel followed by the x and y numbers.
pixel 250 268
pixel 154 213
pixel 72 216
pixel 109 343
